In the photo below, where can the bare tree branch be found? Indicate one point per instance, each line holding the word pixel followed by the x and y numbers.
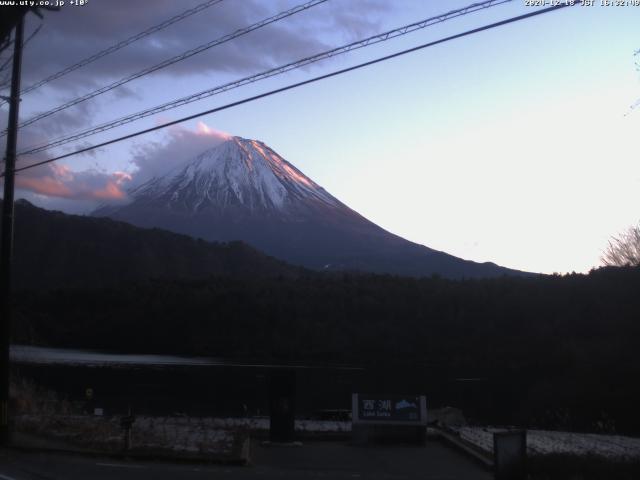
pixel 623 249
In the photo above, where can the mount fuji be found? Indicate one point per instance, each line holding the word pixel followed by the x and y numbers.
pixel 243 190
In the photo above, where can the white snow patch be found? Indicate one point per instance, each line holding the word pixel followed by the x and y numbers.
pixel 238 171
pixel 545 442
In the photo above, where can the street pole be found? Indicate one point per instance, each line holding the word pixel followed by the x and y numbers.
pixel 6 249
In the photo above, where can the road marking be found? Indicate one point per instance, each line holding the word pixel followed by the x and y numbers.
pixel 119 465
pixel 5 477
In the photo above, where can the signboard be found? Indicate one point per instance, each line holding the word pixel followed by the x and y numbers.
pixel 389 409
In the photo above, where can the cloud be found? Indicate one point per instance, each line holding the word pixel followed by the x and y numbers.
pixel 54 180
pixel 156 158
pixel 61 123
pixel 350 20
pixel 73 34
pixel 55 185
pixel 76 33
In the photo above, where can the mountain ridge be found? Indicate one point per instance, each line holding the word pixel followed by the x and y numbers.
pixel 56 250
pixel 243 190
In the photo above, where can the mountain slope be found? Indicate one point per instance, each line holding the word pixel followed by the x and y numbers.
pixel 243 190
pixel 53 249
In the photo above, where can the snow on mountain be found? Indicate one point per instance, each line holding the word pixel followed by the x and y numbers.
pixel 243 190
pixel 238 172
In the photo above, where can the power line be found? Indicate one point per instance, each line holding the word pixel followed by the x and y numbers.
pixel 4 83
pixel 381 37
pixel 177 58
pixel 8 61
pixel 304 82
pixel 6 44
pixel 122 44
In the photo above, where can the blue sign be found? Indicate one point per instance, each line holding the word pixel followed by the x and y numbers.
pixel 389 408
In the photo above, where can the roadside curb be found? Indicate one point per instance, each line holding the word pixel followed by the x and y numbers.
pixel 479 455
pixel 306 436
pixel 240 453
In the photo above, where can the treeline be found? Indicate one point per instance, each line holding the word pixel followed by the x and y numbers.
pixel 56 249
pixel 555 351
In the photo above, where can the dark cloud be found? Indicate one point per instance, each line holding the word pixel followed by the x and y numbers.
pixel 75 33
pixel 347 19
pixel 60 123
pixel 93 153
pixel 43 131
pixel 27 137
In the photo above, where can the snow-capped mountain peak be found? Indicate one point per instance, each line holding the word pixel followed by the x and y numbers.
pixel 237 172
pixel 243 190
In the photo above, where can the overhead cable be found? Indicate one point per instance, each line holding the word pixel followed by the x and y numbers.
pixel 120 45
pixel 299 84
pixel 171 61
pixel 381 37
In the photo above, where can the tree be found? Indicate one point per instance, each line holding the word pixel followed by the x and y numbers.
pixel 623 249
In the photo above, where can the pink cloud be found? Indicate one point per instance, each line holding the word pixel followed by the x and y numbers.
pixel 49 186
pixel 60 181
pixel 154 158
pixel 202 129
pixel 111 191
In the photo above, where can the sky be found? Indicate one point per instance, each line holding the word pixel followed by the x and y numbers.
pixel 514 145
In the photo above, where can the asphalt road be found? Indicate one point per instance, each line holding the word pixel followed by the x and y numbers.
pixel 316 460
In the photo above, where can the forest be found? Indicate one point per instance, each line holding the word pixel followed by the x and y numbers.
pixel 553 351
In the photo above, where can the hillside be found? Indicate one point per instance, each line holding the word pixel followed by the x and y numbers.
pixel 53 249
pixel 243 190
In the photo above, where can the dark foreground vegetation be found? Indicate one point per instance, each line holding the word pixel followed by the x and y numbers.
pixel 53 249
pixel 554 352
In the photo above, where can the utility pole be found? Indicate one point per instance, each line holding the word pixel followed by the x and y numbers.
pixel 6 249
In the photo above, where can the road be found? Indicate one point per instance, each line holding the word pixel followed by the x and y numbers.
pixel 315 460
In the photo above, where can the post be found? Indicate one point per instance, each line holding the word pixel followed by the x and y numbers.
pixel 6 249
pixel 510 455
pixel 282 408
